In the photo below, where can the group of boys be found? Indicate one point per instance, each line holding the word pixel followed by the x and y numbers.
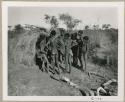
pixel 59 50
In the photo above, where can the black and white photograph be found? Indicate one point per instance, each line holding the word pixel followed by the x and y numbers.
pixel 64 50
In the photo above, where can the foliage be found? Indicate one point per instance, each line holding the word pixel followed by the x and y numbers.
pixel 86 27
pixel 18 28
pixel 69 21
pixel 52 20
pixel 106 26
pixel 96 27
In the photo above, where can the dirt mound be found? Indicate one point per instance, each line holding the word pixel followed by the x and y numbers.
pixel 24 51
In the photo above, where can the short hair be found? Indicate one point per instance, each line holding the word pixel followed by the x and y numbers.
pixel 52 33
pixel 80 32
pixel 74 35
pixel 86 38
pixel 67 35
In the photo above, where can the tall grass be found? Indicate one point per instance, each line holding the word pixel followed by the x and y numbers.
pixel 22 47
pixel 103 46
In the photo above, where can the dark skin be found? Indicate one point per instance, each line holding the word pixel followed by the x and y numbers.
pixel 53 52
pixel 67 53
pixel 40 56
pixel 74 49
pixel 82 51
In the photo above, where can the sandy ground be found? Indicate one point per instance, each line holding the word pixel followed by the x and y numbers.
pixel 24 81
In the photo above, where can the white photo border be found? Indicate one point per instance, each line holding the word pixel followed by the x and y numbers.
pixel 119 5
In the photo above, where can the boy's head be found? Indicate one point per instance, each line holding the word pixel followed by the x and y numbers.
pixel 52 33
pixel 80 32
pixel 67 35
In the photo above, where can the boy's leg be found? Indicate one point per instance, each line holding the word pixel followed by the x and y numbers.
pixel 57 62
pixel 81 59
pixel 69 61
pixel 85 60
pixel 53 62
pixel 66 62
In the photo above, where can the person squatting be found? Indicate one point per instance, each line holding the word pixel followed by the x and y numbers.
pixel 60 50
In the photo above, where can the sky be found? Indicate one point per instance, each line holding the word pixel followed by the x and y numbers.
pixel 88 15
